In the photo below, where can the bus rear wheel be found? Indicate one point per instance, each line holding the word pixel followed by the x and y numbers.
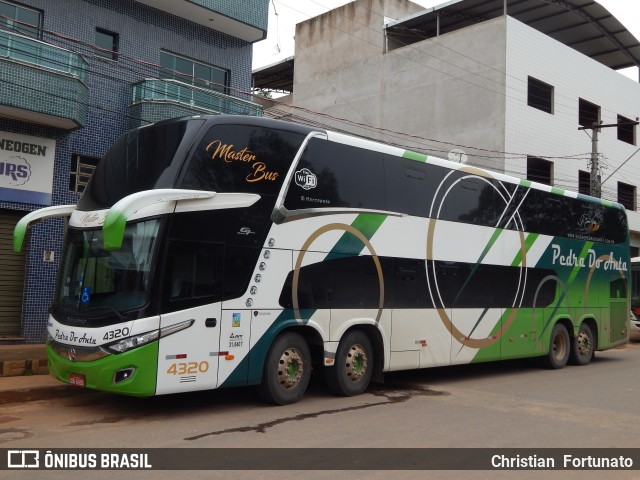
pixel 559 348
pixel 287 370
pixel 583 346
pixel 353 367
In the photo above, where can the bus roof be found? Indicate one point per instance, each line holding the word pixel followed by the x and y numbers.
pixel 390 149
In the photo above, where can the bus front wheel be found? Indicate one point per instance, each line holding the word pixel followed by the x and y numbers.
pixel 583 346
pixel 287 370
pixel 559 347
pixel 353 367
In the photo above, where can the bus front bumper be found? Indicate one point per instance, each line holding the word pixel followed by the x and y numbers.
pixel 130 373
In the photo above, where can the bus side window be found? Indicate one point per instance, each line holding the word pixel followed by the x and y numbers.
pixel 469 200
pixel 239 263
pixel 618 288
pixel 193 275
pixel 615 225
pixel 410 185
pixel 334 175
pixel 557 214
pixel 181 273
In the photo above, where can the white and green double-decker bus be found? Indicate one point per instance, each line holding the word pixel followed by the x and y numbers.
pixel 220 251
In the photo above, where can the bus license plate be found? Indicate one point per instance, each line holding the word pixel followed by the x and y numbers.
pixel 76 379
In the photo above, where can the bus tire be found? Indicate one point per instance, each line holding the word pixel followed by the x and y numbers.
pixel 287 370
pixel 582 346
pixel 351 373
pixel 559 348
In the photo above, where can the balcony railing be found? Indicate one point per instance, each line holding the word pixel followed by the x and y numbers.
pixel 200 99
pixel 35 52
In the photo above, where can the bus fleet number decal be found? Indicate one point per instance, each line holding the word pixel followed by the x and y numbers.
pixel 117 333
pixel 191 368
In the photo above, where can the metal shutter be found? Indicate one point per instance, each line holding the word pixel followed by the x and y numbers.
pixel 11 277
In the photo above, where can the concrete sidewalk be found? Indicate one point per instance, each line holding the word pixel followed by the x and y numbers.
pixel 25 376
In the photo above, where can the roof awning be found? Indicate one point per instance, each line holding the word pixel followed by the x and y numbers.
pixel 278 76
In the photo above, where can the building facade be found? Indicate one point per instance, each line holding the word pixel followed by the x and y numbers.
pixel 465 81
pixel 74 76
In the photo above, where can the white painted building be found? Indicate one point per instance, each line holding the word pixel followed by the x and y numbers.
pixel 464 81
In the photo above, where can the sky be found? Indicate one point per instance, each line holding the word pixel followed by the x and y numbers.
pixel 279 43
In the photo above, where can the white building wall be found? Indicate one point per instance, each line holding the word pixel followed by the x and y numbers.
pixel 436 99
pixel 467 87
pixel 573 76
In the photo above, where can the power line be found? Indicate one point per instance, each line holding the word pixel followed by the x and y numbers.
pixel 415 138
pixel 432 40
pixel 354 20
pixel 147 65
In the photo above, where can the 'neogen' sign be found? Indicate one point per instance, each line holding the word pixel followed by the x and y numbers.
pixel 26 168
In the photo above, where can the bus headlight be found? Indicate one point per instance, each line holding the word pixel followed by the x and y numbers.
pixel 134 341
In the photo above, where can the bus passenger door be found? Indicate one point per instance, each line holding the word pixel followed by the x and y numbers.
pixel 618 310
pixel 188 359
pixel 188 356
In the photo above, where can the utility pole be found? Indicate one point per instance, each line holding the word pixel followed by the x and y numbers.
pixel 595 186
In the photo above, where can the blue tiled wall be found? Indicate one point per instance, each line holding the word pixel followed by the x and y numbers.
pixel 143 32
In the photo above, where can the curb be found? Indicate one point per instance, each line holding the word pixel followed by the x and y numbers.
pixel 38 393
pixel 29 388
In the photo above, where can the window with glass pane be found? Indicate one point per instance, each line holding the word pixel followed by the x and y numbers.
pixel 195 73
pixel 627 195
pixel 107 43
pixel 20 19
pixel 81 169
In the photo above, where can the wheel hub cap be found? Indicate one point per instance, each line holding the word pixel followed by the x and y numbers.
pixel 584 344
pixel 356 362
pixel 290 368
pixel 559 347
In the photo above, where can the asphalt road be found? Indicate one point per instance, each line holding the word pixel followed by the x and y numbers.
pixel 501 405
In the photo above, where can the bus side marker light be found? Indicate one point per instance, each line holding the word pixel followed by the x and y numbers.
pixel 175 357
pixel 229 357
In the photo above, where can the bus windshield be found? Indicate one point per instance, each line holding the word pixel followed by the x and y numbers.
pixel 98 283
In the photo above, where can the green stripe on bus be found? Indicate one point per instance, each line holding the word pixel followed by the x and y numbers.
pixel 19 233
pixel 418 157
pixel 578 267
pixel 487 248
pixel 494 238
pixel 368 224
pixel 115 223
pixel 528 243
pixel 349 244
